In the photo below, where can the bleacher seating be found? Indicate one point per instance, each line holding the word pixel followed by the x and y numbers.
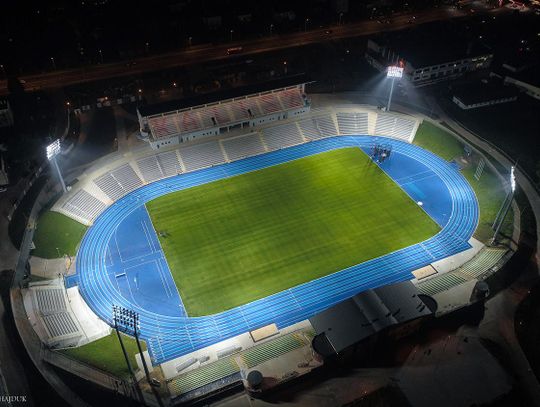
pixel 84 205
pixel 482 262
pixel 352 123
pixel 206 116
pixel 440 283
pixel 203 376
pixel 326 126
pixel 109 186
pixel 119 182
pixel 251 105
pixel 221 113
pixel 169 164
pixel 269 103
pixel 403 128
pixel 163 126
pixel 291 98
pixel 159 166
pixel 189 121
pixel 385 124
pixel 202 156
pixel 310 130
pixel 244 146
pixel 286 135
pixel 394 126
pixel 60 324
pixel 239 110
pixel 224 113
pixel 50 300
pixel 150 169
pixel 269 350
pixel 127 178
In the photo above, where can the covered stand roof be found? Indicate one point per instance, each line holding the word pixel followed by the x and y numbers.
pixel 366 314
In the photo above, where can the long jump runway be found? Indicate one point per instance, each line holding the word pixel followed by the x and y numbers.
pixel 120 261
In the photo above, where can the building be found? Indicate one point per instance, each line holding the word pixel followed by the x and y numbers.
pixel 358 323
pixel 481 94
pixel 527 80
pixel 425 61
pixel 217 113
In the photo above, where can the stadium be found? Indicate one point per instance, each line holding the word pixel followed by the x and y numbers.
pixel 253 212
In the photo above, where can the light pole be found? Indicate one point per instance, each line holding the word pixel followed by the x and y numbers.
pixel 53 150
pixel 147 45
pixel 393 72
pixel 118 318
pixel 505 207
pixel 231 32
pixel 340 18
pixel 305 24
pixel 100 55
pixel 53 63
pixel 128 321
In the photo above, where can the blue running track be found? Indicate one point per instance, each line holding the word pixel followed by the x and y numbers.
pixel 120 260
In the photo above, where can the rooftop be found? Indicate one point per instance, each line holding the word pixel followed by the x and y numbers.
pixel 479 92
pixel 367 313
pixel 529 75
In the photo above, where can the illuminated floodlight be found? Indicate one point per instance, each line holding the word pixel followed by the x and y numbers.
pixel 394 72
pixel 53 149
pixel 512 179
pixel 505 207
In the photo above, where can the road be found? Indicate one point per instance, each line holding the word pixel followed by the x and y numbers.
pixel 210 52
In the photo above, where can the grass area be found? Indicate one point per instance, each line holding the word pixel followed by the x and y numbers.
pixel 489 190
pixel 106 354
pixel 490 194
pixel 438 141
pixel 55 230
pixel 243 238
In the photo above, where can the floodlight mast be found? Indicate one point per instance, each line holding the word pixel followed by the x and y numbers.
pixel 505 207
pixel 53 150
pixel 393 72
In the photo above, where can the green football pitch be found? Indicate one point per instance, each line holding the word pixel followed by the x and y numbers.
pixel 242 238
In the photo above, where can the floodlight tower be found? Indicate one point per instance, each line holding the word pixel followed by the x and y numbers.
pixel 119 322
pixel 393 72
pixel 53 150
pixel 127 321
pixel 505 207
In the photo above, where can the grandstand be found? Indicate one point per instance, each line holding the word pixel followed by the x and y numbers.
pixel 482 264
pixel 209 115
pixel 60 317
pixel 282 136
pixel 353 123
pixel 243 146
pixel 394 126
